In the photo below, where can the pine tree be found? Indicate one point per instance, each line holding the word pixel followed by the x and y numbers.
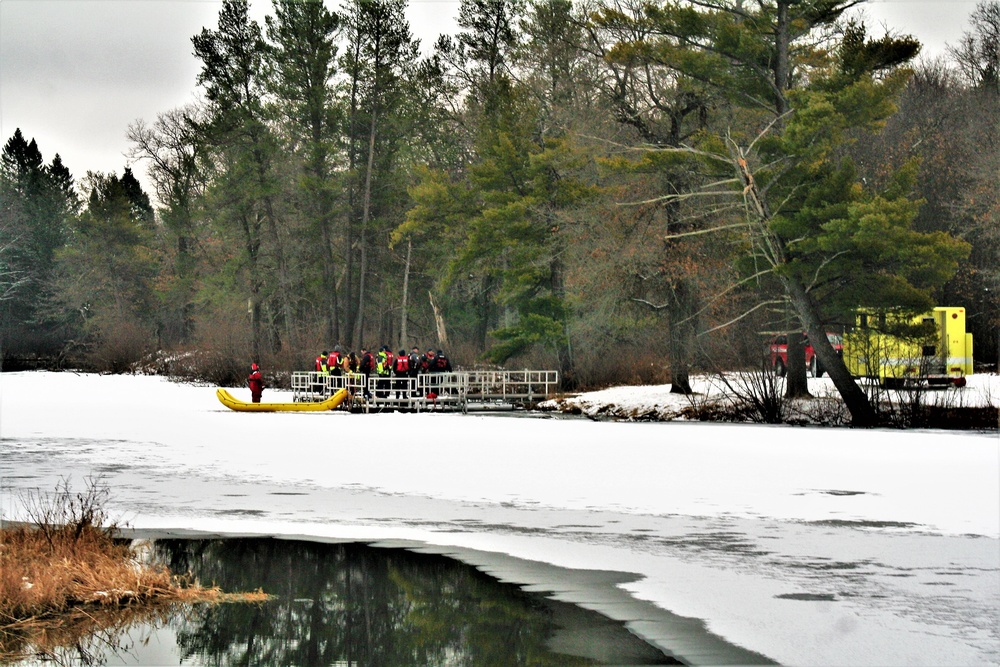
pixel 37 202
pixel 378 59
pixel 104 292
pixel 234 77
pixel 807 216
pixel 304 60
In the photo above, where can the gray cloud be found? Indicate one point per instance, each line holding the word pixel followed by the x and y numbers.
pixel 75 73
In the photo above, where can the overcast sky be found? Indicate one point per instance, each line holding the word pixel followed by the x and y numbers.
pixel 75 73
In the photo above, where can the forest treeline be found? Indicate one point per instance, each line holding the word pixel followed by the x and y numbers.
pixel 622 190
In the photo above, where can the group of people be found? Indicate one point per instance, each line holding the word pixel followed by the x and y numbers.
pixel 382 363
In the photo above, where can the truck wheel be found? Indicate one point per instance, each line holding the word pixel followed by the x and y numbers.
pixel 779 368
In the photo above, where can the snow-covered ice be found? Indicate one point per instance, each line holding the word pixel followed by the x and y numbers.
pixel 804 545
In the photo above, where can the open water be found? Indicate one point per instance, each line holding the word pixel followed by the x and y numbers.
pixel 354 604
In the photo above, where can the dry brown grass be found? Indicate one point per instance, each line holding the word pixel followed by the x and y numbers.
pixel 66 580
pixel 61 587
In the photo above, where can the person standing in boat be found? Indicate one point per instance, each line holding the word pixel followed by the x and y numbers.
pixel 256 382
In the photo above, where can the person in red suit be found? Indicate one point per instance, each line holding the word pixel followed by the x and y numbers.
pixel 256 382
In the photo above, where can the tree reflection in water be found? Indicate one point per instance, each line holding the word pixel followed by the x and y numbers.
pixel 359 605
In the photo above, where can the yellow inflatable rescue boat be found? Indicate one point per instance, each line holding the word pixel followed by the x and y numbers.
pixel 234 403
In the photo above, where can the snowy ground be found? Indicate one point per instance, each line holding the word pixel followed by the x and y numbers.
pixel 657 403
pixel 804 546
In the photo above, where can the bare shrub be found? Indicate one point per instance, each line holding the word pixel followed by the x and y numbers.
pixel 824 409
pixel 757 396
pixel 622 364
pixel 119 347
pixel 705 408
pixel 68 511
pixel 222 353
pixel 939 408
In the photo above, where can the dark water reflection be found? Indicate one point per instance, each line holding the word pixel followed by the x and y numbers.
pixel 359 605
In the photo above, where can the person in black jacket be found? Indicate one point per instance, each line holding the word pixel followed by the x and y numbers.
pixel 365 367
pixel 441 363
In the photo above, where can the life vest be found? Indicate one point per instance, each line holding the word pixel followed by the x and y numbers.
pixel 382 363
pixel 333 361
pixel 402 364
pixel 441 362
pixel 321 364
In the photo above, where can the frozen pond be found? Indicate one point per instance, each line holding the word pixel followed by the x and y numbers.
pixel 714 543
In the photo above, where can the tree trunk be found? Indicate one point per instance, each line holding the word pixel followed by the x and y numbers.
pixel 185 274
pixel 322 208
pixel 332 315
pixel 251 239
pixel 403 343
pixel 862 413
pixel 442 334
pixel 782 67
pixel 359 307
pixel 485 313
pixel 567 366
pixel 681 337
pixel 857 403
pixel 351 314
pixel 284 280
pixel 796 383
pixel 365 215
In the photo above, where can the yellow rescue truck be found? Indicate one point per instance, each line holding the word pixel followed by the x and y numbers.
pixel 929 350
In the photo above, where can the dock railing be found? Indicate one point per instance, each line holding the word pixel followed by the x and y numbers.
pixel 458 390
pixel 513 387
